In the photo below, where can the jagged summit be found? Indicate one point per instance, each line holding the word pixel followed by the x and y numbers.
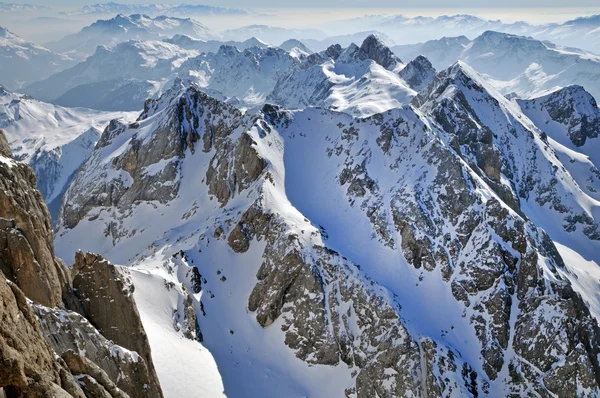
pixel 418 73
pixel 375 49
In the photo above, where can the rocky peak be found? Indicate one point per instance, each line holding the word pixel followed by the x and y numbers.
pixel 376 50
pixel 572 107
pixel 168 129
pixel 332 52
pixel 4 148
pixel 418 73
pixel 228 51
pixel 105 294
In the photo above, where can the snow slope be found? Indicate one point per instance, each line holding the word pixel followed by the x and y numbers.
pixel 54 140
pixel 345 80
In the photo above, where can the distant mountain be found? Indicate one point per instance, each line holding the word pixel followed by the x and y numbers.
pixel 22 62
pixel 296 48
pixel 13 7
pixel 133 27
pixel 53 140
pixel 122 77
pixel 346 40
pixel 113 8
pixel 514 64
pixel 582 32
pixel 272 34
pixel 212 46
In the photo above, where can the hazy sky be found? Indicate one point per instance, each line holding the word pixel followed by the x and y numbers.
pixel 341 3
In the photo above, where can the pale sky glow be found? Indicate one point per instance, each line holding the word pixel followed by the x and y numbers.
pixel 342 3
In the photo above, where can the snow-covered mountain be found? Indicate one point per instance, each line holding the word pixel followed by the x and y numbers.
pixel 120 78
pixel 113 8
pixel 245 77
pixel 53 140
pixel 514 64
pixel 296 48
pixel 302 240
pixel 359 80
pixel 123 28
pixel 22 62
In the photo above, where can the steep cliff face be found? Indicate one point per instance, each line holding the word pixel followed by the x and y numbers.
pixel 398 254
pixel 27 255
pixel 107 302
pixel 47 349
pixel 28 366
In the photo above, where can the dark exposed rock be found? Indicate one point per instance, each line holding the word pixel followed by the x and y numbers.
pixel 101 385
pixel 233 174
pixel 379 52
pixel 26 247
pixel 418 73
pixel 68 331
pixel 27 364
pixel 108 303
pixel 4 148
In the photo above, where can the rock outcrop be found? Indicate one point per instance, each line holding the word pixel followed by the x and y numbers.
pixel 28 366
pixel 26 247
pixel 374 49
pixel 37 296
pixel 418 73
pixel 106 297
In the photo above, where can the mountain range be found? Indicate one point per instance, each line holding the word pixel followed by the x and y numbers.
pixel 23 62
pixel 513 64
pixel 112 8
pixel 304 233
pixel 332 216
pixel 121 28
pixel 18 7
pixel 581 32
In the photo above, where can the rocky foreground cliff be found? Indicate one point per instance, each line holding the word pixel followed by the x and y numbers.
pixel 64 331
